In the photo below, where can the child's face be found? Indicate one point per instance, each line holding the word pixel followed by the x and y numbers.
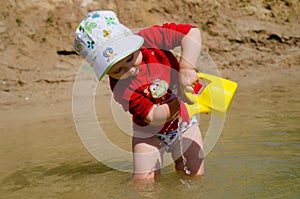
pixel 126 67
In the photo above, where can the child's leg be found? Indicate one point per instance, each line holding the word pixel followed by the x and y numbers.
pixel 192 150
pixel 147 157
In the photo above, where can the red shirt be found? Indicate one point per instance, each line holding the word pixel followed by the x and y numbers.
pixel 157 81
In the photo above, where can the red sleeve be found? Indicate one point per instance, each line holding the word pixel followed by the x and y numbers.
pixel 165 37
pixel 139 107
pixel 132 99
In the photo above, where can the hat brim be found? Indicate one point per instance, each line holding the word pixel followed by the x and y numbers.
pixel 122 47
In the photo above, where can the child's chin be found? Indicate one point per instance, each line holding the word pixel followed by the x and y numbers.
pixel 132 72
pixel 135 71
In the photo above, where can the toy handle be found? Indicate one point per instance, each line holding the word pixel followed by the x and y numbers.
pixel 197 88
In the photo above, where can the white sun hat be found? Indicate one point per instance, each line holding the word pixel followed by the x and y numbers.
pixel 102 40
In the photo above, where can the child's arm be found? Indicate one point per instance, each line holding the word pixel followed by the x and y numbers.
pixel 190 50
pixel 159 114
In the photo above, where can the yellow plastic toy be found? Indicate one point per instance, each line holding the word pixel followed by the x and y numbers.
pixel 216 93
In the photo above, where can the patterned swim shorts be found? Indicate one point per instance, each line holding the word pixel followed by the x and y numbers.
pixel 168 138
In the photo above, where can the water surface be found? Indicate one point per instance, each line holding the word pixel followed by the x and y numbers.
pixel 257 155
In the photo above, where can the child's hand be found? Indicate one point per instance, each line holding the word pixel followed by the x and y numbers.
pixel 188 79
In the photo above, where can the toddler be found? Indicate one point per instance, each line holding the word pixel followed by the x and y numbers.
pixel 148 81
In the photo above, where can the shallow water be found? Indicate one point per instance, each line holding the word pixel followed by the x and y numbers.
pixel 257 156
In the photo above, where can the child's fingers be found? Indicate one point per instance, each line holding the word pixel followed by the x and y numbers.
pixel 184 90
pixel 189 89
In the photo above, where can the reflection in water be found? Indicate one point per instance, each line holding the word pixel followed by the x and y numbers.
pixel 31 177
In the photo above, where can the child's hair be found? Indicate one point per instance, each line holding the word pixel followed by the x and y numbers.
pixel 102 40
